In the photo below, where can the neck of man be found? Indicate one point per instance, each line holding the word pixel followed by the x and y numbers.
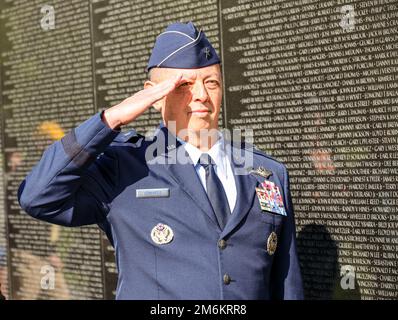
pixel 203 139
pixel 204 142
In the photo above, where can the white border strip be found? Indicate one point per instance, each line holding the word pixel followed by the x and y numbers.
pixel 185 45
pixel 182 33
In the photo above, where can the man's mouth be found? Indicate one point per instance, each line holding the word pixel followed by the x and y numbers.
pixel 201 111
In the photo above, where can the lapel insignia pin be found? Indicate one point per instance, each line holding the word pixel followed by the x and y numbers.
pixel 162 234
pixel 261 171
pixel 272 243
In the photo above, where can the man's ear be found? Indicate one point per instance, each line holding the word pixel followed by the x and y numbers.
pixel 158 104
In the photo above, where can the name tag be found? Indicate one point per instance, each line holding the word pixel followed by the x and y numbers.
pixel 153 193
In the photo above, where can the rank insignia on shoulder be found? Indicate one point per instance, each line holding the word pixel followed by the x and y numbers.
pixel 270 198
pixel 272 243
pixel 261 171
pixel 162 234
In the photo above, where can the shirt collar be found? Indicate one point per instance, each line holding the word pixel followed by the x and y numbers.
pixel 216 151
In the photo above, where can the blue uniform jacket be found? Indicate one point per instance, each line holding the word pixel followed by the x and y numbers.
pixel 91 176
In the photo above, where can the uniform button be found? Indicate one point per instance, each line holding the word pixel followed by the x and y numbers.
pixel 227 279
pixel 222 244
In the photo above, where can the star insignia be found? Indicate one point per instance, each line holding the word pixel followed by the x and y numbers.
pixel 207 53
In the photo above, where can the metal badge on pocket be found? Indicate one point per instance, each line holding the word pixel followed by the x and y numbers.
pixel 162 234
pixel 272 243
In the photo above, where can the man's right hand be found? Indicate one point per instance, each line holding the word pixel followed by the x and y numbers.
pixel 132 107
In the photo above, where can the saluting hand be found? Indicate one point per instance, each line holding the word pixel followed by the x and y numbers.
pixel 132 107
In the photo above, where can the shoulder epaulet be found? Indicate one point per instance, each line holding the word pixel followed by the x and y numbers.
pixel 128 136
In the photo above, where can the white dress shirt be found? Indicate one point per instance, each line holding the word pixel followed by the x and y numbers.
pixel 222 168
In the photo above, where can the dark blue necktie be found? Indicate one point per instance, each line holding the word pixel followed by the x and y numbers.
pixel 215 191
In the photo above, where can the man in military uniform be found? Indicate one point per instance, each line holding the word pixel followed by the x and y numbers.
pixel 183 219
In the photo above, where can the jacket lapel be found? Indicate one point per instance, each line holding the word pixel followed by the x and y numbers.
pixel 181 170
pixel 245 187
pixel 187 178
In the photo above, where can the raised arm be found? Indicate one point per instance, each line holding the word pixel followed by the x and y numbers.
pixel 75 179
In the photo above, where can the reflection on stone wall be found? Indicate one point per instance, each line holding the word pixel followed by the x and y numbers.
pixel 317 80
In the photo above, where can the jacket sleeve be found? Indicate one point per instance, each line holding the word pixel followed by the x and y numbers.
pixel 73 182
pixel 286 275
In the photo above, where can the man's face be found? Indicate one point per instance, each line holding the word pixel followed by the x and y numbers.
pixel 195 103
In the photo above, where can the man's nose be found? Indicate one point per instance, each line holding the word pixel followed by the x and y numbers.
pixel 199 92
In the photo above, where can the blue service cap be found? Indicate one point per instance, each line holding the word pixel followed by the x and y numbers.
pixel 182 46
